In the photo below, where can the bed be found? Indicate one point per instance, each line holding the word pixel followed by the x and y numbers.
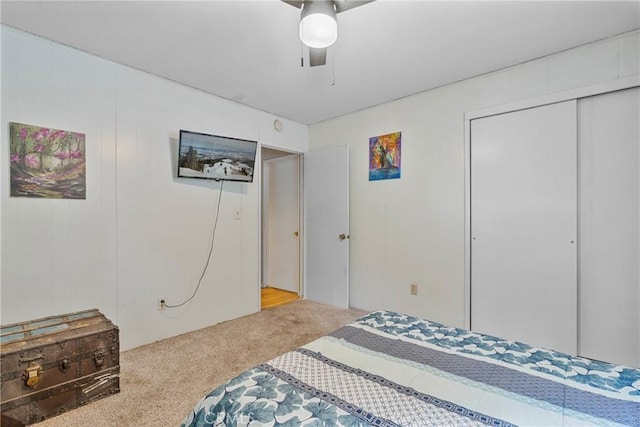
pixel 390 369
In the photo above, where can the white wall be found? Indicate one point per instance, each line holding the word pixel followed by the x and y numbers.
pixel 141 233
pixel 412 229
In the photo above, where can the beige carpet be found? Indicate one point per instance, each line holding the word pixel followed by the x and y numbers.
pixel 161 382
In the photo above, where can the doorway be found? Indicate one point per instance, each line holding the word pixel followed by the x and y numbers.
pixel 281 227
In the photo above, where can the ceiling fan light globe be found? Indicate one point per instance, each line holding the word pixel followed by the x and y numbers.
pixel 318 30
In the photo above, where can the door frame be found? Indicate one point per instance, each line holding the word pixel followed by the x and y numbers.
pixel 582 92
pixel 300 219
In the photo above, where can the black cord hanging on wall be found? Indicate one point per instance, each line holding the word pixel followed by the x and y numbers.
pixel 204 270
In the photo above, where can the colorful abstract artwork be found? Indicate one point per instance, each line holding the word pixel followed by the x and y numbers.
pixel 46 163
pixel 384 156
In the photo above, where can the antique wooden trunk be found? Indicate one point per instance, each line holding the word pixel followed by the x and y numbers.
pixel 55 364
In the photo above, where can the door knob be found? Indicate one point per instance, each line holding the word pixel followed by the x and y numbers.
pixel 295 233
pixel 343 236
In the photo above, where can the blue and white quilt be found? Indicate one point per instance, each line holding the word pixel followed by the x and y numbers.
pixel 389 369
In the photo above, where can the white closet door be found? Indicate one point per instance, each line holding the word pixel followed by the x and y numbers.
pixel 523 226
pixel 609 227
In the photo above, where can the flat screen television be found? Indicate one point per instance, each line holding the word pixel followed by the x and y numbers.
pixel 205 156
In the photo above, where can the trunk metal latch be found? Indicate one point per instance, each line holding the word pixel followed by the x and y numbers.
pixel 98 359
pixel 32 374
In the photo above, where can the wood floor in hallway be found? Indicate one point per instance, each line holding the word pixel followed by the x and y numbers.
pixel 273 297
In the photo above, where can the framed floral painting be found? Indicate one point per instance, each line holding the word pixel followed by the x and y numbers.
pixel 46 163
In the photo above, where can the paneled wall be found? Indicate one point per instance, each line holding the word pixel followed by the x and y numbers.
pixel 412 229
pixel 141 233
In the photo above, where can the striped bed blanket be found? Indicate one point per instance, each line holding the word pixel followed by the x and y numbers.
pixel 390 369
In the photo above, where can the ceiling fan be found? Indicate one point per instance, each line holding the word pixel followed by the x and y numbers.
pixel 319 25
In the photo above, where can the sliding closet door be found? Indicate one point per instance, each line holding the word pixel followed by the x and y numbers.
pixel 523 226
pixel 609 231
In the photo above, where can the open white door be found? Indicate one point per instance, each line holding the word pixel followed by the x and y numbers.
pixel 326 212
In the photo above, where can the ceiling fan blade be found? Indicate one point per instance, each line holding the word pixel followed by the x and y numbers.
pixel 341 5
pixel 294 3
pixel 317 56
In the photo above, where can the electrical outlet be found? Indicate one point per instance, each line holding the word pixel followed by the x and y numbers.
pixel 414 289
pixel 161 304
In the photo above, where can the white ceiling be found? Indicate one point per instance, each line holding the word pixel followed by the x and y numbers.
pixel 249 52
